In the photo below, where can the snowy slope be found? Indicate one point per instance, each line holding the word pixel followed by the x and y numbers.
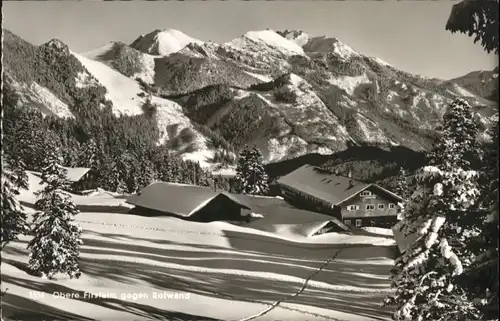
pixel 348 83
pixel 100 199
pixel 163 42
pixel 36 95
pixel 272 39
pixel 369 130
pixel 263 51
pixel 235 272
pixel 111 52
pixel 122 91
pixel 100 51
pixel 129 262
pixel 306 112
pixel 380 61
pixel 135 268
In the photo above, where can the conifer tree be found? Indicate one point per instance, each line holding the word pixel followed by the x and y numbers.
pixel 108 175
pixel 147 174
pixel 251 177
pixel 13 214
pixel 88 154
pixel 57 237
pixel 443 214
pixel 481 277
pixel 128 169
pixel 402 188
pixel 162 162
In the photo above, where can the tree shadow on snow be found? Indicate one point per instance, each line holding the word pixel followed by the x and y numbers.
pixel 15 307
pixel 49 288
pixel 214 272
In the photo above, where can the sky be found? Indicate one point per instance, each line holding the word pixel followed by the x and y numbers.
pixel 410 35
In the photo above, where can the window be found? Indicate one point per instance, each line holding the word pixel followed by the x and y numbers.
pixel 370 207
pixel 358 223
pixel 347 222
pixel 365 193
pixel 392 205
pixel 372 223
pixel 381 206
pixel 352 207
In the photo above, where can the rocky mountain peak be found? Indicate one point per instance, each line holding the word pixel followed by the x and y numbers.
pixel 297 36
pixel 58 45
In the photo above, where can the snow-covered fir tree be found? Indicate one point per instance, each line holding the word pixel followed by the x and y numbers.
pixel 443 213
pixel 88 154
pixel 481 277
pixel 13 215
pixel 55 246
pixel 128 168
pixel 251 177
pixel 402 188
pixel 146 175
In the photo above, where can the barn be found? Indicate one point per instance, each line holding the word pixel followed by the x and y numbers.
pixel 354 202
pixel 189 202
pixel 76 176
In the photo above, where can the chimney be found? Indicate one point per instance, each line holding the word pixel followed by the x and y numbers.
pixel 351 183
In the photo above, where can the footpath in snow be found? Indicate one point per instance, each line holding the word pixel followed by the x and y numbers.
pixel 245 273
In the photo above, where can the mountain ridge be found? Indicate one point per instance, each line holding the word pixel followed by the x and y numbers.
pixel 320 98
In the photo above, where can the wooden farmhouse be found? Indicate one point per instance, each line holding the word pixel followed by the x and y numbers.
pixel 189 202
pixel 353 202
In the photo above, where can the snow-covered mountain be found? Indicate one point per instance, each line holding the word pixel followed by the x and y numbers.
pixel 287 92
pixel 163 42
pixel 297 36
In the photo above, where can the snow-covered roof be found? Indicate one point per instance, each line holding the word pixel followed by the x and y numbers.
pixel 334 189
pixel 74 174
pixel 277 212
pixel 179 199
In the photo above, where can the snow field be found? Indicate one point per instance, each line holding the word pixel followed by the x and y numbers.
pixel 219 264
pixel 231 265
